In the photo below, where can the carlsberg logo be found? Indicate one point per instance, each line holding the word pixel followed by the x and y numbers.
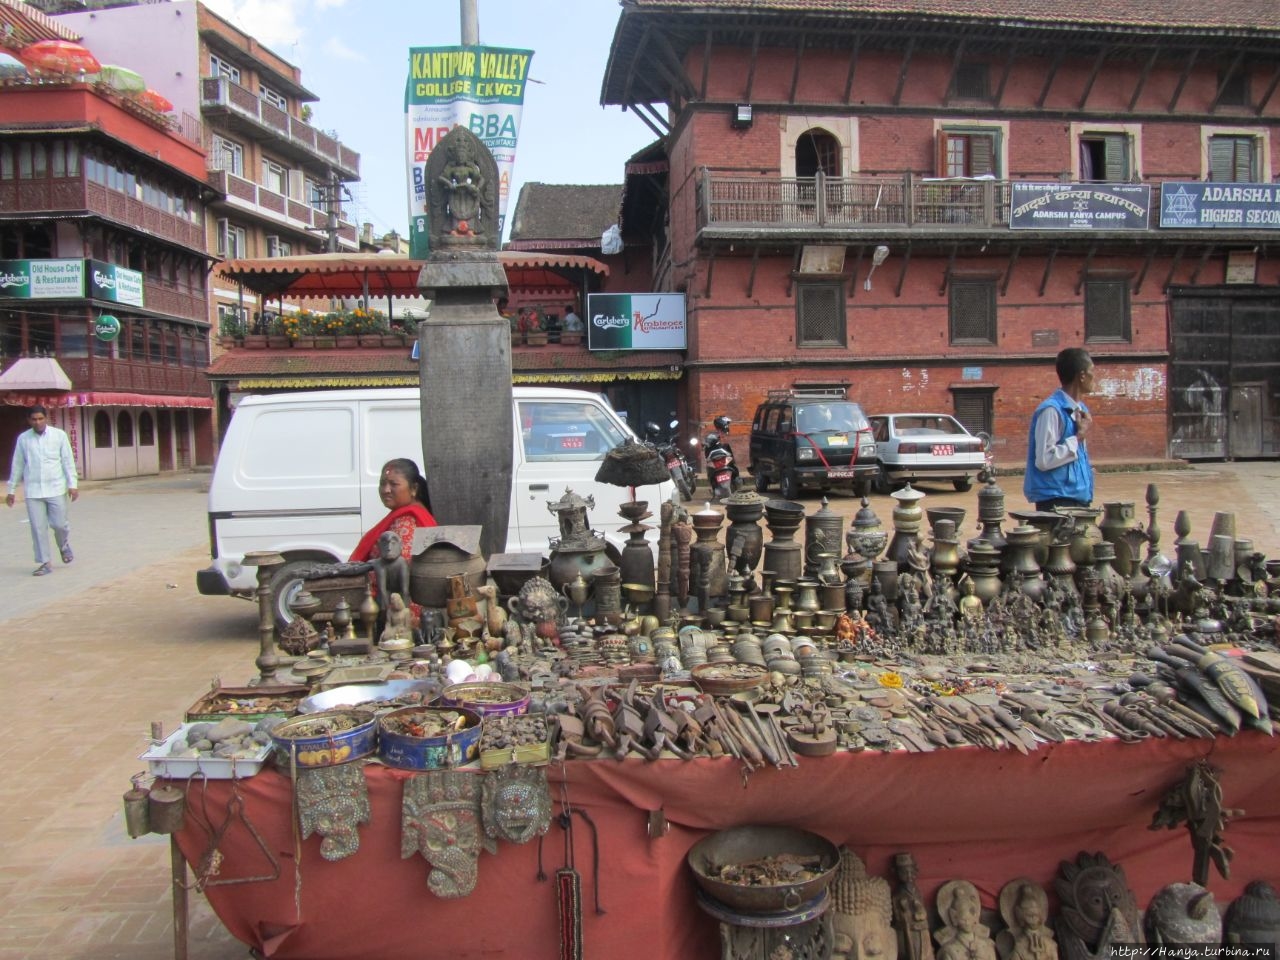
pixel 8 280
pixel 601 322
pixel 104 281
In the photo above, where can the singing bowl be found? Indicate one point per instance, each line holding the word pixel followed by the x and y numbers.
pixel 744 844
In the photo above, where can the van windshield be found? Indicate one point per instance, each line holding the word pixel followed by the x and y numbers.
pixel 829 417
pixel 556 430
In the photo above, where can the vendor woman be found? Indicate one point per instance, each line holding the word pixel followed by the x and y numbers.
pixel 403 491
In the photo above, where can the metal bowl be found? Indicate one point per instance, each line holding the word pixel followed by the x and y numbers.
pixel 709 855
pixel 357 693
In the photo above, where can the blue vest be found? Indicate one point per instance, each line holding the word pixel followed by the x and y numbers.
pixel 1071 481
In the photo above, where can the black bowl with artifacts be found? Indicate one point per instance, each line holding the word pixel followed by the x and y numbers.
pixel 757 869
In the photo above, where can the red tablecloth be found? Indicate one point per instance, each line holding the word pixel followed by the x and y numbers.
pixel 979 815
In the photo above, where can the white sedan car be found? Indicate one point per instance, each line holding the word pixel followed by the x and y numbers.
pixel 928 447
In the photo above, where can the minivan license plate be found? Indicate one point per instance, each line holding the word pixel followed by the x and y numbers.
pixel 840 473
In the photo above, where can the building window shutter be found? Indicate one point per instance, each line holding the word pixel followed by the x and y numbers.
pixel 973 408
pixel 1116 158
pixel 820 320
pixel 982 155
pixel 223 227
pixel 1231 159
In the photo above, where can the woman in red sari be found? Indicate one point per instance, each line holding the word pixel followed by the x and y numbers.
pixel 404 493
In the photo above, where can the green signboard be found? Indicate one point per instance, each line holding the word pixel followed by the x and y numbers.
pixel 106 328
pixel 62 279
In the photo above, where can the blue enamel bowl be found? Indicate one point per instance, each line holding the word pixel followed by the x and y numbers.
pixel 398 748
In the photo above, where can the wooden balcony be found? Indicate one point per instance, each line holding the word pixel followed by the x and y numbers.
pixel 276 207
pixel 851 209
pixel 134 376
pixel 65 195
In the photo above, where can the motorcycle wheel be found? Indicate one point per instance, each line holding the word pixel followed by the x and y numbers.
pixel 677 477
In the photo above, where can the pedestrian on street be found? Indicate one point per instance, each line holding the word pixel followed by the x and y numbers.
pixel 1058 472
pixel 44 464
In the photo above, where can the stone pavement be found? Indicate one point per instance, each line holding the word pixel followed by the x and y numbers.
pixel 120 638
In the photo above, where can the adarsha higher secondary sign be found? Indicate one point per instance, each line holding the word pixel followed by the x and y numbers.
pixel 635 321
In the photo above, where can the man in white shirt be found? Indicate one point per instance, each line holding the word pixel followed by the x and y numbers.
pixel 43 462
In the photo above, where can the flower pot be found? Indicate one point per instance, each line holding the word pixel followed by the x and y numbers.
pixel 570 339
pixel 255 341
pixel 536 339
pixel 277 342
pixel 346 340
pixel 305 342
pixel 394 340
pixel 370 339
pixel 324 343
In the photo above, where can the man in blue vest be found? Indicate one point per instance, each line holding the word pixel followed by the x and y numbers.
pixel 1058 471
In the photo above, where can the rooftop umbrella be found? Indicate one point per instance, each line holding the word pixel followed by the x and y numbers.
pixel 122 79
pixel 58 56
pixel 11 67
pixel 157 102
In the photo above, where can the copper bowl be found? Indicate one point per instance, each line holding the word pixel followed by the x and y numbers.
pixel 711 854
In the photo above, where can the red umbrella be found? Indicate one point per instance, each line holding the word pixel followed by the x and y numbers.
pixel 58 56
pixel 157 102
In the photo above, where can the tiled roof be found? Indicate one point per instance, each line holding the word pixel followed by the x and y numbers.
pixel 1162 14
pixel 552 211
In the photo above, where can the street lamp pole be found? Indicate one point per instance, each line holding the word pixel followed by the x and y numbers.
pixel 470 20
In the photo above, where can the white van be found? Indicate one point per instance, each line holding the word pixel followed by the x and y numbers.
pixel 298 474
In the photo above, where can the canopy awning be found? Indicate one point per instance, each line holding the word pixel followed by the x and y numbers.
pixel 382 275
pixel 35 373
pixel 98 398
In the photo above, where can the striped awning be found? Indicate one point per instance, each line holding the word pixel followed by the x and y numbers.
pixel 99 398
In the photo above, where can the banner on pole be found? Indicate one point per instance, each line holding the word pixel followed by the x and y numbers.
pixel 481 88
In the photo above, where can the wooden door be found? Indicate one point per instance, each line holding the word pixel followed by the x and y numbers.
pixel 1246 420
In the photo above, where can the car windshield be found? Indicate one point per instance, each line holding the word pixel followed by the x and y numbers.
pixel 829 417
pixel 926 425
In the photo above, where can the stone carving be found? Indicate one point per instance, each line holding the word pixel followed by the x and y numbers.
pixel 516 803
pixel 861 913
pixel 1098 908
pixel 390 567
pixel 963 936
pixel 1181 915
pixel 1254 916
pixel 333 802
pixel 1024 907
pixel 440 819
pixel 399 620
pixel 910 915
pixel 462 193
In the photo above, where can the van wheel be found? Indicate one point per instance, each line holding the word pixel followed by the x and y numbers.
pixel 761 478
pixel 789 485
pixel 861 488
pixel 285 586
pixel 880 483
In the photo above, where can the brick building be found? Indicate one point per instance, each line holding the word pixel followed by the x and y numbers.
pixel 928 200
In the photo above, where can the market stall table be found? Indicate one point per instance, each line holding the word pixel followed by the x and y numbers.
pixel 985 816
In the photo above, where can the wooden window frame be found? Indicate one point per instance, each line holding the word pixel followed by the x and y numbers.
pixel 960 285
pixel 811 283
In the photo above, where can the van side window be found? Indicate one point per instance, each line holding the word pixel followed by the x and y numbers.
pixel 554 430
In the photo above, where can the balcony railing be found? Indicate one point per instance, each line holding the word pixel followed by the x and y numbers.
pixel 220 92
pixel 67 194
pixel 135 376
pixel 275 206
pixel 857 203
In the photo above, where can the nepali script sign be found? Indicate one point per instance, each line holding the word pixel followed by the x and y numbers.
pixel 1199 206
pixel 635 321
pixel 1079 206
pixel 481 88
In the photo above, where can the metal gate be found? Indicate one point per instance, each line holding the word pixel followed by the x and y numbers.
pixel 1224 374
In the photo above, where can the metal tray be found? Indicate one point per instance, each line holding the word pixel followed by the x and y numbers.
pixel 357 693
pixel 214 768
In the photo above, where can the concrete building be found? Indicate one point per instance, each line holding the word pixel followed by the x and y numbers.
pixel 926 201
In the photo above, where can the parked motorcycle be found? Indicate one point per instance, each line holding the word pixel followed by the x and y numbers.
pixel 717 456
pixel 668 447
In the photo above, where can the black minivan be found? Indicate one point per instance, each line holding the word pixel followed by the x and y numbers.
pixel 811 437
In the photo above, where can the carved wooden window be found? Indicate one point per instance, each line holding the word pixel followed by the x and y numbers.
pixel 1106 310
pixel 973 311
pixel 820 317
pixel 971 82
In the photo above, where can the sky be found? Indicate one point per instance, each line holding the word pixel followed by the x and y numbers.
pixel 354 56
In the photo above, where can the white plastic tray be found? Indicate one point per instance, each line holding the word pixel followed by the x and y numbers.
pixel 214 768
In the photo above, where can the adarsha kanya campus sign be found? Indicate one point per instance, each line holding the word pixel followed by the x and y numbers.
pixel 635 321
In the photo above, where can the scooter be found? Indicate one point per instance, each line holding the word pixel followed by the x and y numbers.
pixel 717 455
pixel 668 447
